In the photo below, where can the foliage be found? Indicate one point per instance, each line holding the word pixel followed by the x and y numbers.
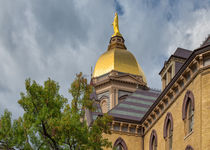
pixel 6 133
pixel 42 106
pixel 49 122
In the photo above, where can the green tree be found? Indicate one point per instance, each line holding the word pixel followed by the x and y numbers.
pixel 12 134
pixel 77 133
pixel 49 122
pixel 42 111
pixel 6 132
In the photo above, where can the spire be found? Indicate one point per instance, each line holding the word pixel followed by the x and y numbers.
pixel 116 26
pixel 116 41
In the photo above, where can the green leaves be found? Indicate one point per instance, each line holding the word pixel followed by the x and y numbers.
pixel 80 92
pixel 49 122
pixel 101 125
pixel 6 132
pixel 12 134
pixel 43 110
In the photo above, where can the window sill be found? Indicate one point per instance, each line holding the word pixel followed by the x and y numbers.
pixel 188 135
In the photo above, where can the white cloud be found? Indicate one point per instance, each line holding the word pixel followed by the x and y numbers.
pixel 41 39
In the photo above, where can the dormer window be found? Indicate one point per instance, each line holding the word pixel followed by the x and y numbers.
pixel 173 65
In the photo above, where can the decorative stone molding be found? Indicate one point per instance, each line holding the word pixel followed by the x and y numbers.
pixel 117 42
pixel 126 128
pixel 119 77
pixel 176 89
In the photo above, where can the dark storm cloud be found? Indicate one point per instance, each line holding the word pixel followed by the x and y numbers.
pixel 59 23
pixel 41 39
pixel 57 39
pixel 157 28
pixel 118 8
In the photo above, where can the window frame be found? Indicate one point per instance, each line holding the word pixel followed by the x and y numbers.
pixel 121 142
pixel 168 131
pixel 104 99
pixel 153 140
pixel 190 117
pixel 188 109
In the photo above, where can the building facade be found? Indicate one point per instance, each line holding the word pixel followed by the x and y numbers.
pixel 177 117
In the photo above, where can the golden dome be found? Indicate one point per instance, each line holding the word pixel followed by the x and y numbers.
pixel 120 60
pixel 117 57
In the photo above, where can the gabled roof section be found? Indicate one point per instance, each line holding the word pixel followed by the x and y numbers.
pixel 135 106
pixel 180 53
pixel 195 53
pixel 183 53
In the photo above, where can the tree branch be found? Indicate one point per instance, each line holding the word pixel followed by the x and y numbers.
pixel 47 135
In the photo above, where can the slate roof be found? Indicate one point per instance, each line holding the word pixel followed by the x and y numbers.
pixel 180 53
pixel 183 53
pixel 204 48
pixel 135 106
pixel 132 109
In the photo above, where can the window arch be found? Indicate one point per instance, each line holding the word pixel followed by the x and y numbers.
pixel 188 111
pixel 104 106
pixel 104 103
pixel 153 141
pixel 189 147
pixel 168 131
pixel 120 144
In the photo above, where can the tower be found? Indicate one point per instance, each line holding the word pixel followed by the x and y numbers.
pixel 117 74
pixel 144 118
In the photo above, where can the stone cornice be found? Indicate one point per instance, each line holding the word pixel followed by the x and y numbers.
pixel 196 53
pixel 167 105
pixel 192 67
pixel 115 76
pixel 126 128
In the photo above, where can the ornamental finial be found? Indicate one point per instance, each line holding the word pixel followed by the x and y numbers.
pixel 116 26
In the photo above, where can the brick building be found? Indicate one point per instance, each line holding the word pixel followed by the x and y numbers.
pixel 177 117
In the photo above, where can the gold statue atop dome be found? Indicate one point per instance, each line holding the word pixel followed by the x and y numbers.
pixel 116 26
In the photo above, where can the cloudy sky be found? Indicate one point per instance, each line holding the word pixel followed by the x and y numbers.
pixel 59 38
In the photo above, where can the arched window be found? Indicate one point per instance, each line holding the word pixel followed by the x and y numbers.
pixel 120 144
pixel 169 138
pixel 168 131
pixel 188 111
pixel 189 147
pixel 153 141
pixel 103 104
